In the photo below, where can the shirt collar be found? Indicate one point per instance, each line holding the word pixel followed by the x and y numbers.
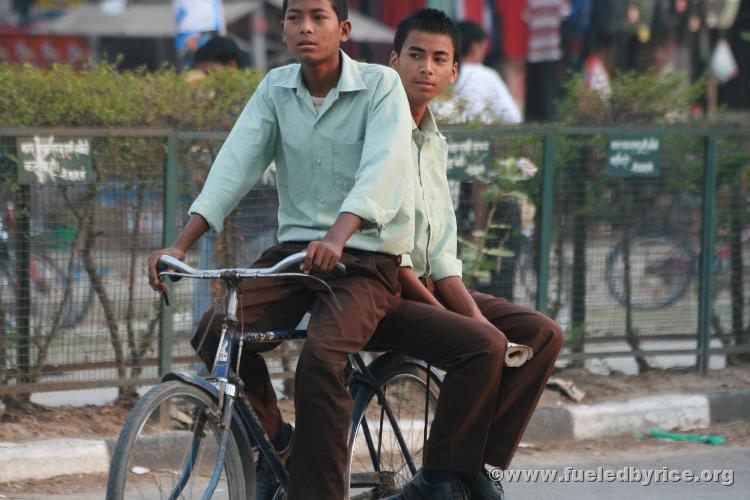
pixel 429 127
pixel 349 81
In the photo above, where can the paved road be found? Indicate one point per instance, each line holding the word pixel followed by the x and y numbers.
pixel 687 456
pixel 612 454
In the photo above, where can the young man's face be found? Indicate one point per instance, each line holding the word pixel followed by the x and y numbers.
pixel 312 31
pixel 425 65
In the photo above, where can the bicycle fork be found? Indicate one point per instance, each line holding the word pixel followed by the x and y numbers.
pixel 227 391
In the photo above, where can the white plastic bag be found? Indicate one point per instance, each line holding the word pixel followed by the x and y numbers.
pixel 723 65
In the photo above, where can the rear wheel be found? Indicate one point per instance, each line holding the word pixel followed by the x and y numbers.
pixel 377 465
pixel 173 428
pixel 661 266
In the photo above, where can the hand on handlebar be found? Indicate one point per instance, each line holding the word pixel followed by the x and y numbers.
pixel 321 256
pixel 153 276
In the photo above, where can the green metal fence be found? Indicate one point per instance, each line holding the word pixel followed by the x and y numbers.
pixel 637 241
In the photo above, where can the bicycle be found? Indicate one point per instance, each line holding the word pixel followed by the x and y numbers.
pixel 47 282
pixel 191 436
pixel 662 265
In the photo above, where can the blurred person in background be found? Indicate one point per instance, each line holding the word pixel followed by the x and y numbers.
pixel 479 88
pixel 218 52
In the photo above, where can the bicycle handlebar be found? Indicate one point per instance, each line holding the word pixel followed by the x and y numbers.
pixel 185 271
pixel 279 270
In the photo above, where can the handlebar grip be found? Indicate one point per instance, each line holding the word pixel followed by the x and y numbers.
pixel 162 267
pixel 339 270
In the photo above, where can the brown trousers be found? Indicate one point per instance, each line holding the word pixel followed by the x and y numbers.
pixel 483 407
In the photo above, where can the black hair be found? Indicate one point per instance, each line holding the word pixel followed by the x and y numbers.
pixel 221 49
pixel 431 21
pixel 340 7
pixel 471 33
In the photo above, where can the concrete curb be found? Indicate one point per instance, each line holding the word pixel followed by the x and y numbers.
pixel 55 457
pixel 44 459
pixel 666 411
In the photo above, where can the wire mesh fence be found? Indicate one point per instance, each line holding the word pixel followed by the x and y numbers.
pixel 616 253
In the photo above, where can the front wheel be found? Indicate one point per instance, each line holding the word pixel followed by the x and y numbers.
pixel 174 428
pixel 377 464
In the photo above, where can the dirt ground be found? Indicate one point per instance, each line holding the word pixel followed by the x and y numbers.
pixel 42 422
pixel 619 387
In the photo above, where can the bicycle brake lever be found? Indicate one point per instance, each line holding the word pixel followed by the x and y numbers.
pixel 160 268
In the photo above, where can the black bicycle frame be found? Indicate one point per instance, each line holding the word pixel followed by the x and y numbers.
pixel 227 383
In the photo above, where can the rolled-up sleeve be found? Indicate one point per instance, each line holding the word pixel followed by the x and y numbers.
pixel 384 182
pixel 406 260
pixel 444 262
pixel 242 159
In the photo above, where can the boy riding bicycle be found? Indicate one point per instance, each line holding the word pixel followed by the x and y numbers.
pixel 337 130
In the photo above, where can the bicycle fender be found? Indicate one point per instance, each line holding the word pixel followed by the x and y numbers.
pixel 208 387
pixel 383 363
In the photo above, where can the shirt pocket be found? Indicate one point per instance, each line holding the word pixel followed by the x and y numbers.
pixel 345 164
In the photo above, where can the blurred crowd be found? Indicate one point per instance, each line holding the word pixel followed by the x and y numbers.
pixel 517 51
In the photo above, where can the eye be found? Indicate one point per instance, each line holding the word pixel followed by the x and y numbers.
pixel 292 17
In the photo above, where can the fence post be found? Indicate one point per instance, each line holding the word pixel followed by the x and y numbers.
pixel 166 330
pixel 23 290
pixel 705 296
pixel 545 222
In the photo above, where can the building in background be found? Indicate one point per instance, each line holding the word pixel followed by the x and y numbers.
pixel 534 43
pixel 146 33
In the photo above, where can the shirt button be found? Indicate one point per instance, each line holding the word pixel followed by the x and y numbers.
pixel 321 200
pixel 317 126
pixel 318 162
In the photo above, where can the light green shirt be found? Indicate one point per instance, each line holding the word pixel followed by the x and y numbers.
pixel 350 157
pixel 435 236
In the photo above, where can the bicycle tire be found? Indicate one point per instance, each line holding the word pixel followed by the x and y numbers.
pixel 8 302
pixel 146 464
pixel 661 270
pixel 47 291
pixel 404 382
pixel 82 297
pixel 78 302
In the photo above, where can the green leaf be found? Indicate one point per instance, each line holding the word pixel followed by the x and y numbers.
pixel 499 252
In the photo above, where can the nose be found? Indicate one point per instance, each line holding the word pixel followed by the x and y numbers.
pixel 306 26
pixel 428 67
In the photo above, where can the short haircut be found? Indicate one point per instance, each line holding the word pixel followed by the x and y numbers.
pixel 340 7
pixel 471 33
pixel 430 21
pixel 220 49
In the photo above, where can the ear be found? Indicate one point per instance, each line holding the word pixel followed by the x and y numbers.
pixel 346 30
pixel 454 73
pixel 393 61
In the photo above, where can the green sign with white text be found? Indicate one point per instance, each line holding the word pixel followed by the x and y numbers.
pixel 634 157
pixel 468 159
pixel 51 160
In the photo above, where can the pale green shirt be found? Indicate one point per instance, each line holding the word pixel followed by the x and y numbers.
pixel 351 157
pixel 435 235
